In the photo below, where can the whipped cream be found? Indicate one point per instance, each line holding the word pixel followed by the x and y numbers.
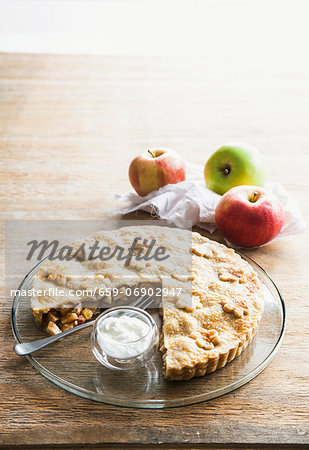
pixel 124 337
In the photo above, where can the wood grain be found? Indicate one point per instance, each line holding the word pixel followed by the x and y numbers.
pixel 69 127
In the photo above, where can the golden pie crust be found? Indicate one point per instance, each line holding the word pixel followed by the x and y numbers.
pixel 210 323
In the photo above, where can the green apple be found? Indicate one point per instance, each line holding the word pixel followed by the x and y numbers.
pixel 234 165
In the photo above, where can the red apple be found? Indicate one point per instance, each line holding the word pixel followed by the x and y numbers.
pixel 156 168
pixel 249 216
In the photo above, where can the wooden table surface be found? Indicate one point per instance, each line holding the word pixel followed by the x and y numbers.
pixel 69 127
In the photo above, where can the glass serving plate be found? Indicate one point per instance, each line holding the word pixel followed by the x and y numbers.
pixel 70 363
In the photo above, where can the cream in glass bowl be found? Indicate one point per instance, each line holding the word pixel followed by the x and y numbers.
pixel 124 338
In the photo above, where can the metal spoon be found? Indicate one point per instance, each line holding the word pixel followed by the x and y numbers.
pixel 25 348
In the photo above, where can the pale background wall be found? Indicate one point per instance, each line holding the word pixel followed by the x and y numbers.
pixel 158 27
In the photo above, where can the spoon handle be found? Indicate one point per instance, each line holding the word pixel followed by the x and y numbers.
pixel 30 347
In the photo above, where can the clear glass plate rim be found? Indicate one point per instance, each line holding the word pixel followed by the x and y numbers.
pixel 150 403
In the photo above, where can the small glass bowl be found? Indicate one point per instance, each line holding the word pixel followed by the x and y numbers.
pixel 105 353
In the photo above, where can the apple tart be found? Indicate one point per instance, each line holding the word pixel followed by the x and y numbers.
pixel 211 305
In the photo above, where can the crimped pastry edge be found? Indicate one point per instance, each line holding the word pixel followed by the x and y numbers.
pixel 212 363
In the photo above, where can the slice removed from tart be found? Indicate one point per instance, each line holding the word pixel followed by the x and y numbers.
pixel 211 319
